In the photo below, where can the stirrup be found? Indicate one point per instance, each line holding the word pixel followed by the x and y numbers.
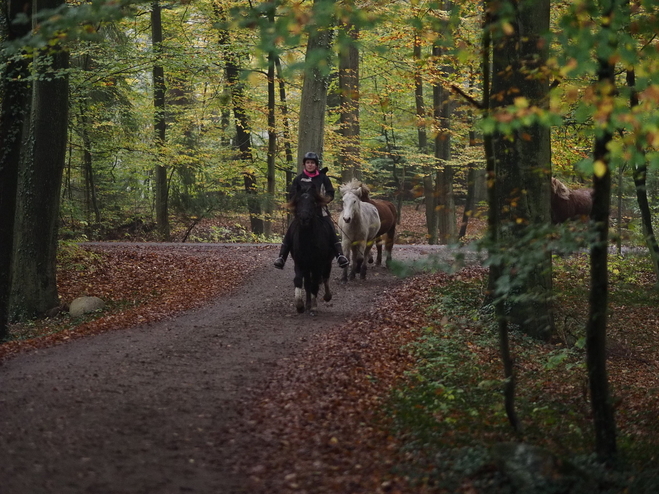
pixel 342 261
pixel 279 262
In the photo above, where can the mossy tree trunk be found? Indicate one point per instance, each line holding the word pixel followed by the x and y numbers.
pixel 15 91
pixel 313 101
pixel 39 184
pixel 523 157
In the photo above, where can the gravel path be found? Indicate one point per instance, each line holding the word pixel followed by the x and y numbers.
pixel 157 408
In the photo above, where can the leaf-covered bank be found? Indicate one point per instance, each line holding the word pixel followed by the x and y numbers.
pixel 449 414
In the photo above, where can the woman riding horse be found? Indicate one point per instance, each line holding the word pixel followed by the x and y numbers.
pixel 311 176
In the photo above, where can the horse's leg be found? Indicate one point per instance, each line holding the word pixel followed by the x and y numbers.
pixel 297 281
pixel 326 278
pixel 369 246
pixel 313 290
pixel 328 294
pixel 307 288
pixel 378 246
pixel 356 260
pixel 389 245
pixel 347 251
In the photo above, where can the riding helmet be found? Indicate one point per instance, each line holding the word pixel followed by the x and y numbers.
pixel 311 156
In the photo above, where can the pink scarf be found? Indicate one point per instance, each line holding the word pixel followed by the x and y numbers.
pixel 311 175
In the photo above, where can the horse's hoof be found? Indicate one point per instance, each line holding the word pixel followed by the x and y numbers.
pixel 300 308
pixel 327 297
pixel 312 313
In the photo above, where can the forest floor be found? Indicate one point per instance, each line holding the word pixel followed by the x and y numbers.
pixel 200 376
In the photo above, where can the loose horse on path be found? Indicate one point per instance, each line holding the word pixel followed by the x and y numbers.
pixel 388 219
pixel 359 224
pixel 311 249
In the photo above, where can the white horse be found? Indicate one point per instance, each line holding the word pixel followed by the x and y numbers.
pixel 359 224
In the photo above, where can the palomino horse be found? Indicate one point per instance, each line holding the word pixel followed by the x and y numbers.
pixel 359 224
pixel 311 249
pixel 388 218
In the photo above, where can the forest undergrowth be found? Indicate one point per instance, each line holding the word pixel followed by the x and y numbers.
pixel 449 414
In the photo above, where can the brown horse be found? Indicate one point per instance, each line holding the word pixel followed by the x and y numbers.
pixel 388 219
pixel 567 204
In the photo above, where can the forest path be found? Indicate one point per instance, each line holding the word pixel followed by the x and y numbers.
pixel 157 408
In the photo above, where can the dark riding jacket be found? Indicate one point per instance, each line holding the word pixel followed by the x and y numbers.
pixel 321 181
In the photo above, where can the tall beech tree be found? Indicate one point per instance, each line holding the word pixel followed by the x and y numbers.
pixel 523 154
pixel 272 129
pixel 159 123
pixel 243 139
pixel 640 173
pixel 422 136
pixel 494 248
pixel 39 183
pixel 286 125
pixel 349 155
pixel 15 97
pixel 603 415
pixel 313 101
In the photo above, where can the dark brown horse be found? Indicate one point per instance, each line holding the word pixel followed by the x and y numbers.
pixel 388 219
pixel 311 249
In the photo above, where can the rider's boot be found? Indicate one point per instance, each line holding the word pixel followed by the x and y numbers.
pixel 340 258
pixel 283 254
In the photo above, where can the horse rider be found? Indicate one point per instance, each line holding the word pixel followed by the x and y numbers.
pixel 311 175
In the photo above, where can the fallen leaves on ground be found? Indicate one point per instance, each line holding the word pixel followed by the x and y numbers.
pixel 142 283
pixel 320 423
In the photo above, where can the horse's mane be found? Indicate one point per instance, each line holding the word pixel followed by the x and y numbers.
pixel 358 188
pixel 560 189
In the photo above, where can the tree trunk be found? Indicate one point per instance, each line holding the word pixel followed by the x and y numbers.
pixel 290 163
pixel 429 198
pixel 244 144
pixel 272 143
pixel 605 430
pixel 603 415
pixel 445 175
pixel 523 160
pixel 243 141
pixel 284 115
pixel 313 101
pixel 15 96
pixel 443 187
pixel 91 204
pixel 349 97
pixel 493 233
pixel 40 180
pixel 440 152
pixel 159 124
pixel 469 201
pixel 640 176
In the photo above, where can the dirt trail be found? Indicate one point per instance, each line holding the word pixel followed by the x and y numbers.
pixel 157 408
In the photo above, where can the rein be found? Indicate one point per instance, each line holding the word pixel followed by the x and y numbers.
pixel 341 229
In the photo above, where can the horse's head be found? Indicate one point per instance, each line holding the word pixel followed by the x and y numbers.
pixel 307 205
pixel 350 206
